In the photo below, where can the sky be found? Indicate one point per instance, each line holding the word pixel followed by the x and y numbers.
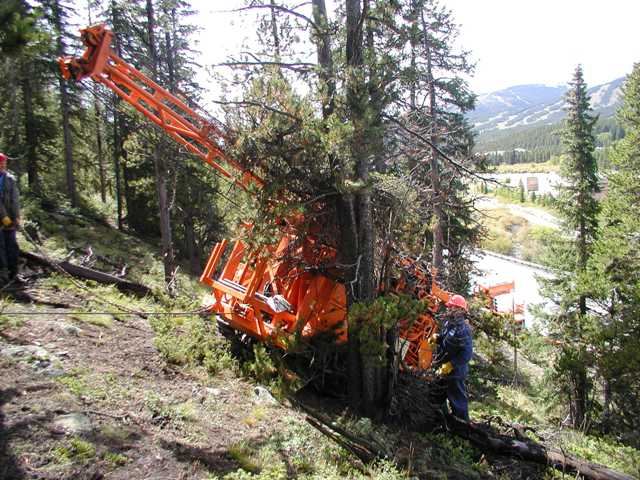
pixel 513 42
pixel 541 41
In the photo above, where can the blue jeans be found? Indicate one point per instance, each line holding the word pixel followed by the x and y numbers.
pixel 457 393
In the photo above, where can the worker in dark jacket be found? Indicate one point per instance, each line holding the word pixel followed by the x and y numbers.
pixel 454 350
pixel 9 221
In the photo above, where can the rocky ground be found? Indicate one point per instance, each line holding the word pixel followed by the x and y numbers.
pixel 80 400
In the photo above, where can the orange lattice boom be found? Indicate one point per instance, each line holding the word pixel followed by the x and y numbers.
pixel 160 106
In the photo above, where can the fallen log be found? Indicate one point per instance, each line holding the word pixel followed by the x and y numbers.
pixel 483 437
pixel 532 451
pixel 89 274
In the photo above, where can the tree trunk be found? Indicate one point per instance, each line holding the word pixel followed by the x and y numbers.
pixel 117 131
pixel 348 241
pixel 364 271
pixel 65 109
pixel 30 129
pixel 68 148
pixel 579 400
pixel 13 139
pixel 348 252
pixel 100 153
pixel 325 59
pixel 99 140
pixel 354 61
pixel 521 447
pixel 577 388
pixel 438 230
pixel 160 168
pixel 117 151
pixel 526 449
pixel 190 244
pixel 375 102
pixel 606 405
pixel 89 274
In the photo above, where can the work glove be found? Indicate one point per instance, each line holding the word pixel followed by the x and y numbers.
pixel 445 369
pixel 432 341
pixel 6 221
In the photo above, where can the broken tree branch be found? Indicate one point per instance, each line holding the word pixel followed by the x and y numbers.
pixel 296 67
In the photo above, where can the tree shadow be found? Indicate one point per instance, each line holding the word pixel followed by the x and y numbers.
pixel 9 468
pixel 218 461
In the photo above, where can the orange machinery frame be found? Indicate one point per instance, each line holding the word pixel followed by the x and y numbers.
pixel 493 291
pixel 243 292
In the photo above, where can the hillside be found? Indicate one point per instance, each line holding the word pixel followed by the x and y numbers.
pixel 522 123
pixel 536 105
pixel 105 385
pixel 98 384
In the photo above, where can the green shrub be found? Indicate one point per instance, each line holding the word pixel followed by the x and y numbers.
pixel 115 459
pixel 536 243
pixel 262 366
pixel 76 451
pixel 605 451
pixel 192 341
pixel 534 347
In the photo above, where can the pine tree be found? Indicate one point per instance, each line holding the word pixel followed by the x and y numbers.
pixel 29 132
pixel 16 26
pixel 615 279
pixel 435 132
pixel 579 210
pixel 435 29
pixel 341 142
pixel 58 17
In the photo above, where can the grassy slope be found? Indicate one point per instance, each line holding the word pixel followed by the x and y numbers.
pixel 527 398
pixel 544 167
pixel 165 396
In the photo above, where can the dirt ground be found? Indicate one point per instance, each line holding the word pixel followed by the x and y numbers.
pixel 135 416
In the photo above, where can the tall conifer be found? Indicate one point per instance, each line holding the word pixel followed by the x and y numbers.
pixel 615 278
pixel 579 211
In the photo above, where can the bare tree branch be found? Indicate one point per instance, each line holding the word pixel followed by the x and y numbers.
pixel 247 103
pixel 296 67
pixel 280 8
pixel 420 137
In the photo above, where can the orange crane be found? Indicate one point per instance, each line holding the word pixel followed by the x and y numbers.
pixel 262 293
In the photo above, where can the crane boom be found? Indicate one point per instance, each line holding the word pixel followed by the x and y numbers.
pixel 197 134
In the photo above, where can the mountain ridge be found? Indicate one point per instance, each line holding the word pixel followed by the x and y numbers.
pixel 537 104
